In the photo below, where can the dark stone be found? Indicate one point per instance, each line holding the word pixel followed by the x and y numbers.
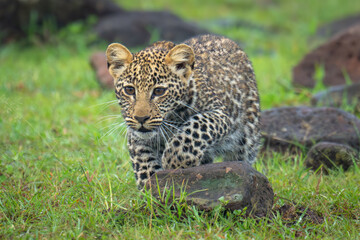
pixel 99 64
pixel 135 28
pixel 290 127
pixel 339 55
pixel 330 29
pixel 237 183
pixel 16 15
pixel 339 96
pixel 330 155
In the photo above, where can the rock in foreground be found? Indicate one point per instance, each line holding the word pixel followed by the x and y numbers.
pixel 288 127
pixel 330 155
pixel 237 183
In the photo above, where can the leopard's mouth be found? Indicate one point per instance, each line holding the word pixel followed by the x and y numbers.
pixel 144 134
pixel 140 127
pixel 144 130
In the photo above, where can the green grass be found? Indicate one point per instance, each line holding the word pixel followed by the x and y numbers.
pixel 62 165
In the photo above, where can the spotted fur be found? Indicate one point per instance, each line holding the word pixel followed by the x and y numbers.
pixel 186 104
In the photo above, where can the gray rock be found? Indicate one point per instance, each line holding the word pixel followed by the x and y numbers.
pixel 338 96
pixel 330 155
pixel 135 28
pixel 339 55
pixel 337 26
pixel 290 127
pixel 235 184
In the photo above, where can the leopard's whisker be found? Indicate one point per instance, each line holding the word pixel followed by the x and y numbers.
pixel 169 121
pixel 113 124
pixel 166 132
pixel 118 129
pixel 111 116
pixel 172 126
pixel 158 145
pixel 123 131
pixel 106 119
pixel 115 127
pixel 168 128
pixel 189 107
pixel 178 116
pixel 107 104
pixel 161 131
pixel 108 133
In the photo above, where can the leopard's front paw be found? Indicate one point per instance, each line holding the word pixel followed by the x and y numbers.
pixel 181 156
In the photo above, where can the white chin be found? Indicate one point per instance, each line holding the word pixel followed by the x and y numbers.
pixel 144 135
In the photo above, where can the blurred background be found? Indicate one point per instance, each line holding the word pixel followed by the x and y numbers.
pixel 59 120
pixel 275 34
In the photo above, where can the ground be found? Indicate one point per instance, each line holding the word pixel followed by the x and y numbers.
pixel 65 171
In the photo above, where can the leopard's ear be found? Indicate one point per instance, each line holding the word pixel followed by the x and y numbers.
pixel 180 60
pixel 118 58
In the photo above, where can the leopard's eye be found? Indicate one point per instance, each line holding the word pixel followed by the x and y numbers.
pixel 159 91
pixel 129 90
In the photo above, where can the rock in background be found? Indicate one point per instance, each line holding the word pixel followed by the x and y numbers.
pixel 329 156
pixel 339 96
pixel 337 26
pixel 135 28
pixel 339 55
pixel 16 15
pixel 295 127
pixel 99 64
pixel 329 133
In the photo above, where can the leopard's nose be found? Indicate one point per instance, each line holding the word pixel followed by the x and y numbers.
pixel 142 120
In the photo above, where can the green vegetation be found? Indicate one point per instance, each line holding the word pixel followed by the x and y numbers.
pixel 63 161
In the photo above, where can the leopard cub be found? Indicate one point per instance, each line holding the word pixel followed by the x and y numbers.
pixel 186 104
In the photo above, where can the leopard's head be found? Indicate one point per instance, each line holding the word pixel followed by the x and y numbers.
pixel 151 83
